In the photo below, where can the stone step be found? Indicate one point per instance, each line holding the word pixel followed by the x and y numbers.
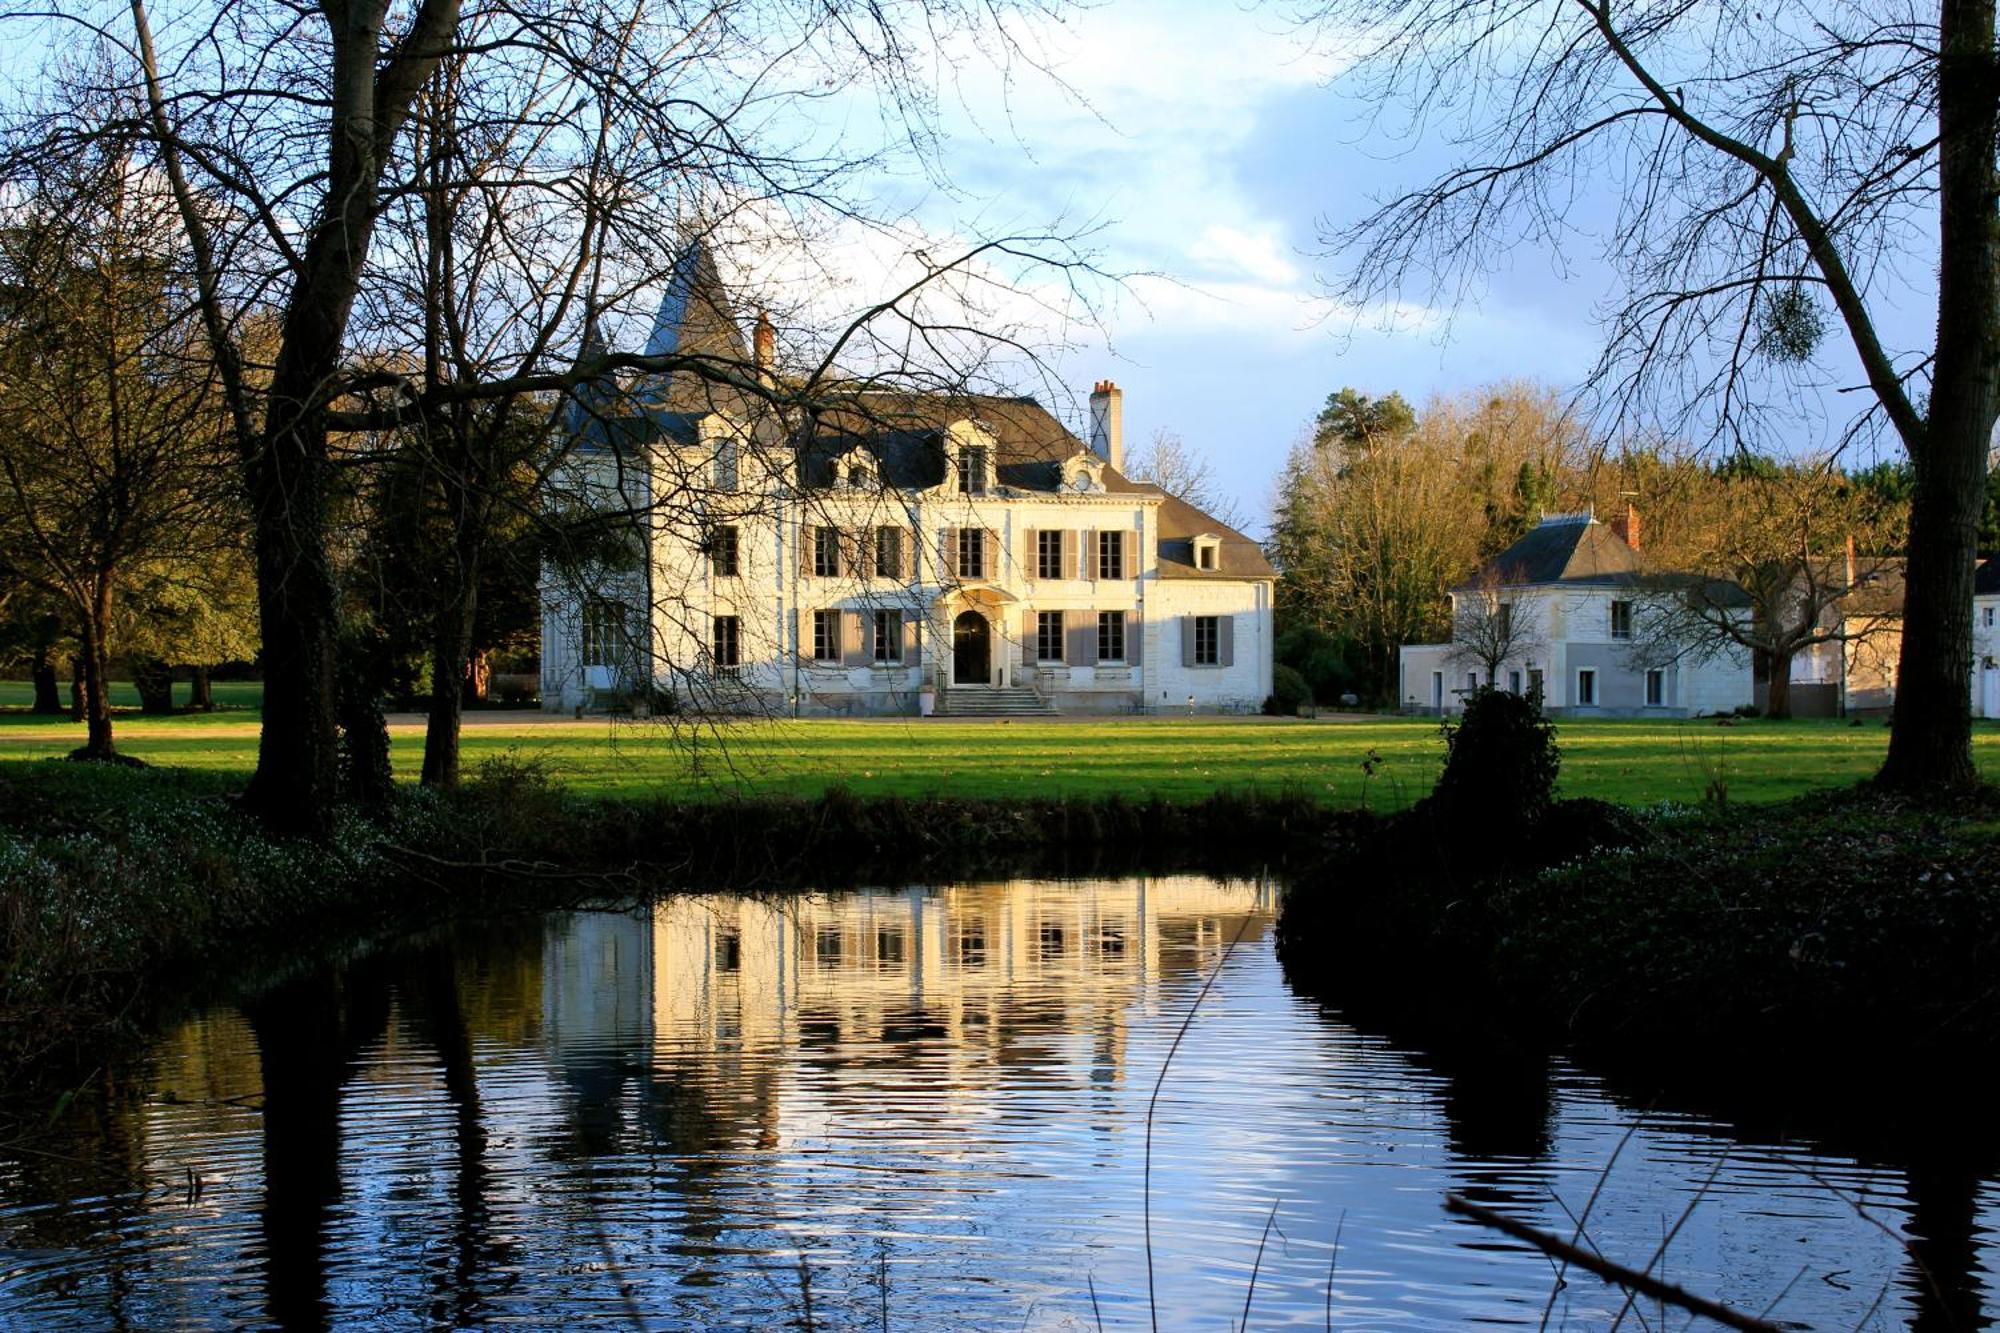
pixel 992 701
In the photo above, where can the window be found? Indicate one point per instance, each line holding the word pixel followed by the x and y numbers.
pixel 970 939
pixel 1534 682
pixel 1437 689
pixel 1656 688
pixel 1513 682
pixel 1048 554
pixel 603 633
pixel 1110 636
pixel 1048 636
pixel 1471 681
pixel 826 552
pixel 728 951
pixel 727 646
pixel 1986 616
pixel 972 469
pixel 1621 620
pixel 1111 555
pixel 826 636
pixel 826 946
pixel 722 553
pixel 1503 621
pixel 725 465
pixel 972 553
pixel 888 636
pixel 1204 555
pixel 1207 641
pixel 1052 939
pixel 889 947
pixel 860 477
pixel 888 553
pixel 1586 688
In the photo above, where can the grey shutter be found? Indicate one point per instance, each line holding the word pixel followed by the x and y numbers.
pixel 1082 635
pixel 1187 641
pixel 1226 647
pixel 854 632
pixel 1135 637
pixel 947 553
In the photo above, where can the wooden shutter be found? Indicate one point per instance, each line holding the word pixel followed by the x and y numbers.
pixel 913 639
pixel 1226 633
pixel 990 564
pixel 1087 566
pixel 1135 637
pixel 854 632
pixel 805 550
pixel 947 553
pixel 1082 635
pixel 1187 641
pixel 1069 556
pixel 1031 554
pixel 1132 548
pixel 1029 655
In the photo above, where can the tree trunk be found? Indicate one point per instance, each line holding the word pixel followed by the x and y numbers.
pixel 95 634
pixel 1930 747
pixel 78 708
pixel 450 651
pixel 478 675
pixel 48 697
pixel 1778 689
pixel 155 682
pixel 201 692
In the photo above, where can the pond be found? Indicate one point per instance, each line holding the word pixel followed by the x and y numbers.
pixel 919 1108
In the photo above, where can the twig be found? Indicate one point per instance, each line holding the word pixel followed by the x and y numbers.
pixel 1631 1279
pixel 1152 1102
pixel 1257 1266
pixel 1332 1264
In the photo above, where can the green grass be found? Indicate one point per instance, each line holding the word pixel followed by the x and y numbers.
pixel 1634 763
pixel 229 694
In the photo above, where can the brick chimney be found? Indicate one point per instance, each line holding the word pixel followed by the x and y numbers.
pixel 1627 526
pixel 764 348
pixel 1107 423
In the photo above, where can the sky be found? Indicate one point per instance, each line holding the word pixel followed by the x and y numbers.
pixel 1205 141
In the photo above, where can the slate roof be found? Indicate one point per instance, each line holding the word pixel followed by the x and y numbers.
pixel 905 432
pixel 1564 548
pixel 1986 580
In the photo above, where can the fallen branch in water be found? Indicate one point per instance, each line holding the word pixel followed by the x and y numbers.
pixel 1631 1279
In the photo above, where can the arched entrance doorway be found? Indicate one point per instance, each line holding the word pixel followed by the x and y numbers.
pixel 971 650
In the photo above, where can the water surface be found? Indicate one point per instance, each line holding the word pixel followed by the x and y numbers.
pixel 923 1107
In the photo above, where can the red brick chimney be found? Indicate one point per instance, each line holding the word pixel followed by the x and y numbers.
pixel 764 343
pixel 1627 527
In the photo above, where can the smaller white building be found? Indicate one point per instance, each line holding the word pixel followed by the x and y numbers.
pixel 1560 612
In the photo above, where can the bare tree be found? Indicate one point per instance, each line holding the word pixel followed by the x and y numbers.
pixel 113 463
pixel 1167 461
pixel 565 149
pixel 1494 624
pixel 1777 166
pixel 1787 560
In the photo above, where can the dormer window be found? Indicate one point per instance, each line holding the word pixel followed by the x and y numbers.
pixel 859 477
pixel 1208 553
pixel 1083 473
pixel 973 462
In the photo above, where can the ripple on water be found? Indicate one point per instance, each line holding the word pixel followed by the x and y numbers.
pixel 711 1112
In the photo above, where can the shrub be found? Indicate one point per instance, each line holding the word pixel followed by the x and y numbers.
pixel 1500 762
pixel 1289 692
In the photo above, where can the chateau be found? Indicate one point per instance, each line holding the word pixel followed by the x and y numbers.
pixel 886 553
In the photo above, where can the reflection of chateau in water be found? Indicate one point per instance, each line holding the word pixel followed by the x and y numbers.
pixel 973 966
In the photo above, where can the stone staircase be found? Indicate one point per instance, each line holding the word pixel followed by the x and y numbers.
pixel 991 701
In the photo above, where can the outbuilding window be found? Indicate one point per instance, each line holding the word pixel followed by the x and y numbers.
pixel 1621 620
pixel 1656 688
pixel 1586 688
pixel 1207 641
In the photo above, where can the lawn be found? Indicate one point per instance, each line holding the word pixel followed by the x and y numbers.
pixel 1634 762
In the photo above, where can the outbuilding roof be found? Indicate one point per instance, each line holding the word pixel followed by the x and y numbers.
pixel 1563 548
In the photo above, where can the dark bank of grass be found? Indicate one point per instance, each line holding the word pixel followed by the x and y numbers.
pixel 1844 932
pixel 121 888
